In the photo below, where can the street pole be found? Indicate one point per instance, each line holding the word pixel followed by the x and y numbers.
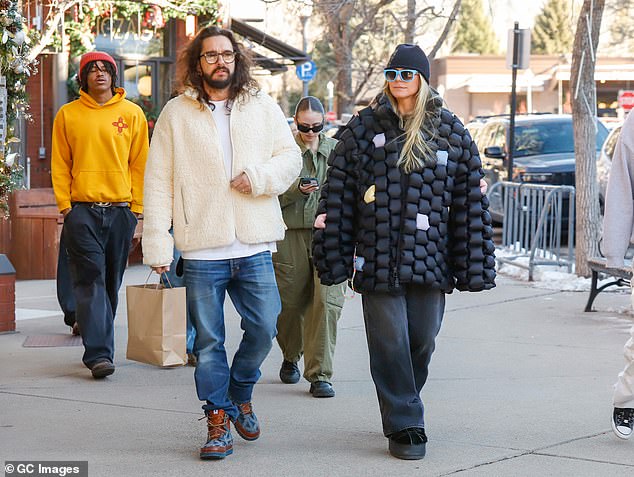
pixel 511 145
pixel 304 48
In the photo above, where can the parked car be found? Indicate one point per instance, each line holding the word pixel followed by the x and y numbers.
pixel 605 161
pixel 543 153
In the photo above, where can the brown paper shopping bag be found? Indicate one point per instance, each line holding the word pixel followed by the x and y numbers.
pixel 157 324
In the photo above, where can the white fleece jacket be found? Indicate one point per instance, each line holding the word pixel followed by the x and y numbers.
pixel 618 218
pixel 186 183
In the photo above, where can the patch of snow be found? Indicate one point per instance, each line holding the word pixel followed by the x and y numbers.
pixel 549 277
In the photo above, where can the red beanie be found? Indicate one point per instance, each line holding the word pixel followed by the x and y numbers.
pixel 95 56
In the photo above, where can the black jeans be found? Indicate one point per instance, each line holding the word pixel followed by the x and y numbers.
pixel 401 333
pixel 98 242
pixel 65 296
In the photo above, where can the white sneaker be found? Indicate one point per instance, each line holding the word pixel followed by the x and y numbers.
pixel 623 422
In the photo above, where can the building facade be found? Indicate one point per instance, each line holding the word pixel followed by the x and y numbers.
pixel 480 85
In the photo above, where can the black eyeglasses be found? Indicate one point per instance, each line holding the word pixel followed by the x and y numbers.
pixel 211 57
pixel 307 128
pixel 403 75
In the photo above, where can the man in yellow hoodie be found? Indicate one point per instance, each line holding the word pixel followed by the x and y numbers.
pixel 100 145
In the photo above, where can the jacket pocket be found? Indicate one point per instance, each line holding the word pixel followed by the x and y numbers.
pixel 184 202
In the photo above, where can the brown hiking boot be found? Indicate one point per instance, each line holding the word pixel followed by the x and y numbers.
pixel 219 439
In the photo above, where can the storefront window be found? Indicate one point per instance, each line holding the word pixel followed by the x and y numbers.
pixel 138 35
pixel 137 80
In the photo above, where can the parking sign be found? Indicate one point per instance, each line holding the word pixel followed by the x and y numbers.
pixel 306 71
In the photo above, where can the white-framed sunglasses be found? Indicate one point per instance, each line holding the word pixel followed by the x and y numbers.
pixel 403 75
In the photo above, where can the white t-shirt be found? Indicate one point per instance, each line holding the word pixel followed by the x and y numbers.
pixel 237 249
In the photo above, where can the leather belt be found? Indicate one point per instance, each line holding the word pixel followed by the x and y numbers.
pixel 103 204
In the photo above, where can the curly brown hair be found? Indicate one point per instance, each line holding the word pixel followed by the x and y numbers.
pixel 242 84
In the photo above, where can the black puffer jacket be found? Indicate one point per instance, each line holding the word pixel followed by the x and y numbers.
pixel 429 227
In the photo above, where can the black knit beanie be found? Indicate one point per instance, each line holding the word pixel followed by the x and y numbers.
pixel 412 57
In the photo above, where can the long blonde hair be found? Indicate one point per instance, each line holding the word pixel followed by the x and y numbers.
pixel 418 130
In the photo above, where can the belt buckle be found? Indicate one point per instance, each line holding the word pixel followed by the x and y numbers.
pixel 103 204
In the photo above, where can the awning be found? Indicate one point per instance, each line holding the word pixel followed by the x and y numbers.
pixel 288 55
pixel 618 72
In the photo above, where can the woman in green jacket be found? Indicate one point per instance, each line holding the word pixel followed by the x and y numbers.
pixel 307 324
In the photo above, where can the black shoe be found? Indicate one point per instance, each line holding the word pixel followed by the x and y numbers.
pixel 623 422
pixel 322 389
pixel 101 369
pixel 408 444
pixel 289 372
pixel 69 318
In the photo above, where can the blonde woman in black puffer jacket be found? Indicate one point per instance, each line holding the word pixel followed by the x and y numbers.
pixel 403 218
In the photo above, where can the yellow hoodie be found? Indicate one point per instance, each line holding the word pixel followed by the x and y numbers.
pixel 99 152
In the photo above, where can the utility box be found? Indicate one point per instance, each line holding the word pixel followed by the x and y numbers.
pixel 36 226
pixel 7 295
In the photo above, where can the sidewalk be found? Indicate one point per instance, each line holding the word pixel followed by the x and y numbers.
pixel 520 385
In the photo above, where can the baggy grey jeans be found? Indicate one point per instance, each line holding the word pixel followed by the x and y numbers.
pixel 401 333
pixel 624 387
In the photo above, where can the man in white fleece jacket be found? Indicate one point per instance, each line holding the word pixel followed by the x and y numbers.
pixel 220 155
pixel 618 233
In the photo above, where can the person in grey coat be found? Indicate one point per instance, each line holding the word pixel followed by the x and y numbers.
pixel 618 234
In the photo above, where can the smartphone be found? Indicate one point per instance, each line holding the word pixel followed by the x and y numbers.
pixel 304 181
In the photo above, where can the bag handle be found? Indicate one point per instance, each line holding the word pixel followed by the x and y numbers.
pixel 161 281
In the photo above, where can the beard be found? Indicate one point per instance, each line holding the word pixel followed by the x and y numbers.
pixel 218 83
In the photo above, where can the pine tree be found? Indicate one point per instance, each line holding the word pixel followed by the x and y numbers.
pixel 552 33
pixel 474 33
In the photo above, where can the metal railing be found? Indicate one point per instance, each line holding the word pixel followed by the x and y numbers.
pixel 535 218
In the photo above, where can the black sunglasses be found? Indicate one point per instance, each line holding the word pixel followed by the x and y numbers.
pixel 306 128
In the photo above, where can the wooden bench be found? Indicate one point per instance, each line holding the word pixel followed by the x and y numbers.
pixel 622 275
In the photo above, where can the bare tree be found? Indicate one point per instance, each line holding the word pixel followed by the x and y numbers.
pixel 362 33
pixel 445 32
pixel 583 92
pixel 428 13
pixel 54 16
pixel 410 25
pixel 346 22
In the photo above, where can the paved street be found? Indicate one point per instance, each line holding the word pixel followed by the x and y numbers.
pixel 520 385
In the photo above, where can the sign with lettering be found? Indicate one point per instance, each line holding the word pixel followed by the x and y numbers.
pixel 306 71
pixel 124 36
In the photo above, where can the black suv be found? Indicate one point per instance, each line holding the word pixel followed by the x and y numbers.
pixel 544 148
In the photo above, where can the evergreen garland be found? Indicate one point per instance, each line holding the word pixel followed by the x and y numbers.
pixel 15 69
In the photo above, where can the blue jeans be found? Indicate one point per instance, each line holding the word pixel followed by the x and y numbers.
pixel 250 282
pixel 401 333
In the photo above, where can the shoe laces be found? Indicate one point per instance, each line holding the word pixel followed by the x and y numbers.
pixel 625 416
pixel 411 436
pixel 217 425
pixel 246 408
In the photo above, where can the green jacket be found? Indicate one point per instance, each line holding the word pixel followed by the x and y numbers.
pixel 298 209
